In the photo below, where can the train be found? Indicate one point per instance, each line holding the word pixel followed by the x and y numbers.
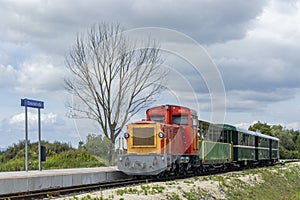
pixel 173 141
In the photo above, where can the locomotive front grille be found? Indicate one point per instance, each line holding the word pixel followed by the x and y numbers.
pixel 143 136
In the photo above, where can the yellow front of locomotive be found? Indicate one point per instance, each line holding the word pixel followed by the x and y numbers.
pixel 143 138
pixel 145 149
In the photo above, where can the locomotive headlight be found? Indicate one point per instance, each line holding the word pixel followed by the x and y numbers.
pixel 161 135
pixel 126 135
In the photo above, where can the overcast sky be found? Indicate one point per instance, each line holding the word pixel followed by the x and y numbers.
pixel 255 46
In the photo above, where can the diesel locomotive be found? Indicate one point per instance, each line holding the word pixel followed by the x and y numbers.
pixel 172 141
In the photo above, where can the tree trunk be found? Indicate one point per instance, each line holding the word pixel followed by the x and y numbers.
pixel 112 154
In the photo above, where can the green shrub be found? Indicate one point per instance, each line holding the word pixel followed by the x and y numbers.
pixel 59 155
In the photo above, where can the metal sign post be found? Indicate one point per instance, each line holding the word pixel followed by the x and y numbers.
pixel 32 104
pixel 26 139
pixel 39 145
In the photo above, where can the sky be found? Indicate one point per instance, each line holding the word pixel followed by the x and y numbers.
pixel 252 47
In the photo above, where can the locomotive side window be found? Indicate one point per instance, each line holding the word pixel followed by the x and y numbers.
pixel 180 119
pixel 195 121
pixel 158 118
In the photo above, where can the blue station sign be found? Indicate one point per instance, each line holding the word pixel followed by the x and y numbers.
pixel 32 103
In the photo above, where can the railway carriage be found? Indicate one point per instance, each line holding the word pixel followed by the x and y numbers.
pixel 173 141
pixel 254 148
pixel 243 146
pixel 215 145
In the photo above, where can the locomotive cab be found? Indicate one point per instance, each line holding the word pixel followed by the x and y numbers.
pixel 184 117
pixel 164 142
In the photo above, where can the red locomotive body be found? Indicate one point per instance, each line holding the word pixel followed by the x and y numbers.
pixel 185 141
pixel 166 143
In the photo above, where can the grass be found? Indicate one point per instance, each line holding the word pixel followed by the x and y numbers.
pixel 145 189
pixel 278 183
pixel 173 196
pixel 297 196
pixel 260 184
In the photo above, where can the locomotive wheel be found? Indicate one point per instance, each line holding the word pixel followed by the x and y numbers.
pixel 166 174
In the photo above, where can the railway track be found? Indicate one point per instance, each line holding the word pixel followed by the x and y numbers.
pixel 55 192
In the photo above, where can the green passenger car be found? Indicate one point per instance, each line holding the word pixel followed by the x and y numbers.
pixel 275 149
pixel 214 152
pixel 215 146
pixel 220 143
pixel 243 145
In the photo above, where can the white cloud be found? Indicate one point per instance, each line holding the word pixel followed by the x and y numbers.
pixel 39 75
pixel 293 125
pixel 278 23
pixel 7 76
pixel 53 127
pixel 35 75
pixel 262 68
pixel 47 120
pixel 245 125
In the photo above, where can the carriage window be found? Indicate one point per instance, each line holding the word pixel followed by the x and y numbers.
pixel 158 118
pixel 242 138
pixel 251 140
pixel 274 144
pixel 221 137
pixel 224 136
pixel 180 119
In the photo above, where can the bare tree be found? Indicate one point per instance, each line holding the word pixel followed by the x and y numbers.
pixel 112 78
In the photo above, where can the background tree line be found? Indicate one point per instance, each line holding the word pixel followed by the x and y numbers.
pixel 97 145
pixel 59 156
pixel 95 152
pixel 289 138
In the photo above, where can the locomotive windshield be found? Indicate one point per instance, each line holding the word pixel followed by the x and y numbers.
pixel 180 119
pixel 158 118
pixel 143 136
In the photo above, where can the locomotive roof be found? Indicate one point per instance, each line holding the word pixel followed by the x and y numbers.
pixel 167 105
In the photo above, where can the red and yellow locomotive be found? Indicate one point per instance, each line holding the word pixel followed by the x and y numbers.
pixel 167 141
